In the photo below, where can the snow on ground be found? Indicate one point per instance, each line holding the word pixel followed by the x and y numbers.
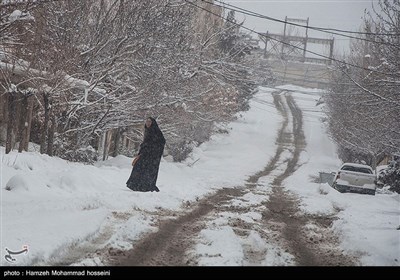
pixel 367 224
pixel 50 204
pixel 220 247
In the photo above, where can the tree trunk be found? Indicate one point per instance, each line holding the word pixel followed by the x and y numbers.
pixel 50 140
pixel 29 121
pixel 23 125
pixel 374 161
pixel 116 142
pixel 109 137
pixel 45 123
pixel 3 99
pixel 5 114
pixel 10 120
pixel 107 144
pixel 3 117
pixel 100 149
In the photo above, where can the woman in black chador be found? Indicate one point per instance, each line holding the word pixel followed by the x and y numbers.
pixel 146 164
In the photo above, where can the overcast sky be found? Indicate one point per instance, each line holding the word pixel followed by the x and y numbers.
pixel 340 14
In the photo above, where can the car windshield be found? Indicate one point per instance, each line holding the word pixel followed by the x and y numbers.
pixel 357 169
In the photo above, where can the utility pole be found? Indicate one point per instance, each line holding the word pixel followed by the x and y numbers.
pixel 305 42
pixel 266 43
pixel 331 51
pixel 284 37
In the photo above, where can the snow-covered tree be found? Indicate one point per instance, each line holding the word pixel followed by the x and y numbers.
pixel 390 176
pixel 364 104
pixel 98 68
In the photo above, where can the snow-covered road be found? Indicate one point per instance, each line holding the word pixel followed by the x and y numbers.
pixel 257 224
pixel 248 197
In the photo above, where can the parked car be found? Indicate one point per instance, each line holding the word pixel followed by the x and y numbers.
pixel 355 178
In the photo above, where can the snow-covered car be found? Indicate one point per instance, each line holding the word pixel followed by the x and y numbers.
pixel 356 178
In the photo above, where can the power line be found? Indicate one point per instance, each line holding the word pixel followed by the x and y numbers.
pixel 288 44
pixel 11 3
pixel 320 29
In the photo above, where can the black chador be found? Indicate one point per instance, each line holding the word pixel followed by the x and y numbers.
pixel 146 164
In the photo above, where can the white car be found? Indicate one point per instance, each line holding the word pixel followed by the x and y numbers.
pixel 356 178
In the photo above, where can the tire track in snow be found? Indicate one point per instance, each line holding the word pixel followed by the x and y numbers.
pixel 308 238
pixel 175 237
pixel 298 236
pixel 282 137
pixel 168 246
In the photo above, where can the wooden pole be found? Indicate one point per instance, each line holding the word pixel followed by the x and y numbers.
pixel 45 124
pixel 284 37
pixel 10 120
pixel 116 142
pixel 331 51
pixel 22 122
pixel 29 121
pixel 305 42
pixel 266 43
pixel 50 140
